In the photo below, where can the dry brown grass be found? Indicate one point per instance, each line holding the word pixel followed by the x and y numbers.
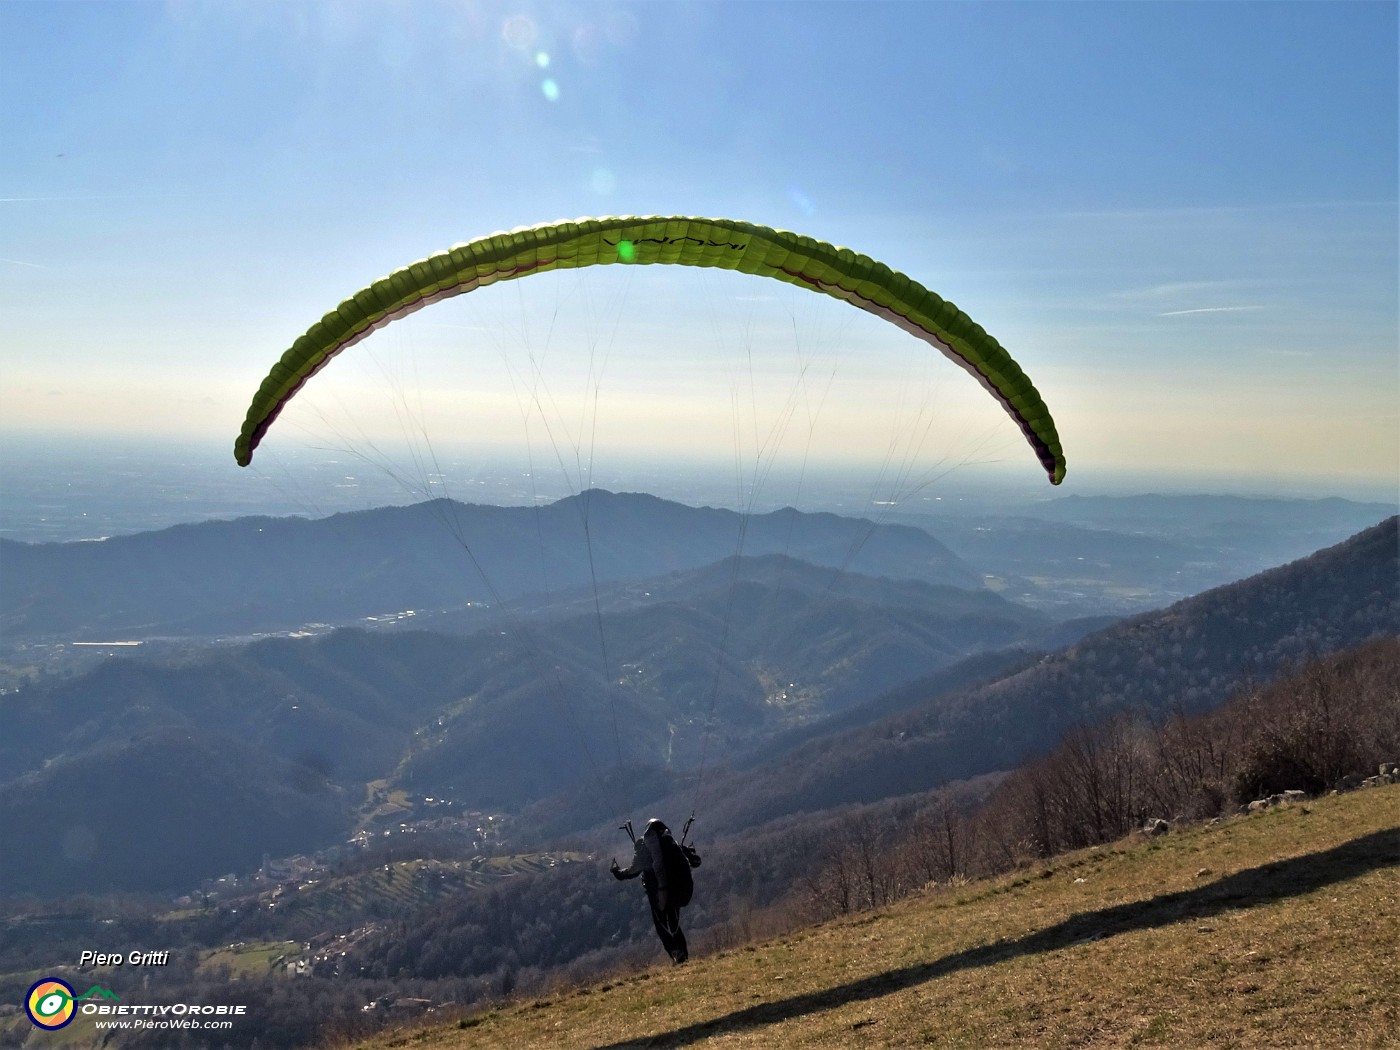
pixel 1276 930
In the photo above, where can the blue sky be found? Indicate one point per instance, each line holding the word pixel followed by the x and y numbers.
pixel 1180 218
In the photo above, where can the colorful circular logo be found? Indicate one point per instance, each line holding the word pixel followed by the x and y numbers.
pixel 49 1003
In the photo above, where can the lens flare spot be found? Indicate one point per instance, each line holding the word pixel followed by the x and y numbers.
pixel 542 59
pixel 519 31
pixel 550 89
pixel 626 251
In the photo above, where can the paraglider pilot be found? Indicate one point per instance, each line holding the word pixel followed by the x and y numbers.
pixel 664 866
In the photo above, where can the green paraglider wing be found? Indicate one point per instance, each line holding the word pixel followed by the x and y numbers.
pixel 676 240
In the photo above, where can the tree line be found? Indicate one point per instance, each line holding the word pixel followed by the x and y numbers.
pixel 1325 726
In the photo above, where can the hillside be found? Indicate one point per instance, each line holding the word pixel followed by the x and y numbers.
pixel 160 812
pixel 1191 656
pixel 492 720
pixel 1275 930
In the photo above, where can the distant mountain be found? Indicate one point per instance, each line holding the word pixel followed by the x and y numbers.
pixel 495 719
pixel 268 574
pixel 1089 555
pixel 1192 656
pixel 769 570
pixel 1203 515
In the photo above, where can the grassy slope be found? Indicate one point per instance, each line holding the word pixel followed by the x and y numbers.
pixel 1280 929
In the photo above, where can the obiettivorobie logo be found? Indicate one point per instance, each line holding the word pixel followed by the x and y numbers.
pixel 51 1003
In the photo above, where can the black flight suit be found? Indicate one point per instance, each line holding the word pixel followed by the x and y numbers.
pixel 647 862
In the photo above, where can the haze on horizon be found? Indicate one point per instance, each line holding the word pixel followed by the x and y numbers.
pixel 1190 247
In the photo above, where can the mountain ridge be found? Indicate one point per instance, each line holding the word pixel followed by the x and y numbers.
pixel 261 574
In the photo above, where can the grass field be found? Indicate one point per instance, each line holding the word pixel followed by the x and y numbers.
pixel 248 959
pixel 1276 930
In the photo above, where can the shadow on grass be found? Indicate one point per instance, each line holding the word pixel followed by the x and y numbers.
pixel 1244 889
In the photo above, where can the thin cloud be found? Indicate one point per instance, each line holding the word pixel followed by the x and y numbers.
pixel 1210 310
pixel 21 262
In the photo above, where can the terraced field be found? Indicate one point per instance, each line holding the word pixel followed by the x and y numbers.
pixel 395 889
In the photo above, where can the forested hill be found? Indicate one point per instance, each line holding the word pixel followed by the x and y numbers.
pixel 495 719
pixel 475 720
pixel 1191 656
pixel 265 574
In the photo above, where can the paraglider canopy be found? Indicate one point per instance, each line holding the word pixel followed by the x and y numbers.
pixel 675 240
